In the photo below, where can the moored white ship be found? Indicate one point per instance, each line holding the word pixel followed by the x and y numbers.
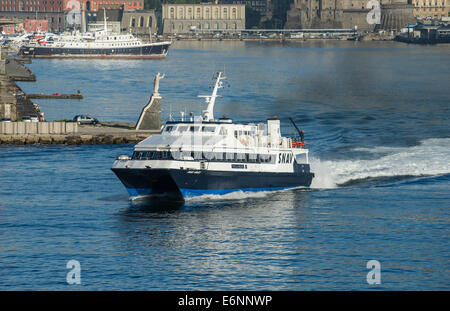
pixel 205 155
pixel 97 44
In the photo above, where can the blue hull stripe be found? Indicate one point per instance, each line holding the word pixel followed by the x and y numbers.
pixel 139 191
pixel 197 192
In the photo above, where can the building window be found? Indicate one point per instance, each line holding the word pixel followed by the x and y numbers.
pixel 216 13
pixel 141 21
pixel 233 13
pixel 172 13
pixel 180 13
pixel 198 13
pixel 150 21
pixel 189 15
pixel 207 13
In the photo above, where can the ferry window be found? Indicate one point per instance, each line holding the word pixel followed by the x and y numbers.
pixel 252 157
pixel 236 134
pixel 263 158
pixel 170 128
pixel 223 131
pixel 210 129
pixel 219 156
pixel 209 155
pixel 197 155
pixel 194 128
pixel 182 128
pixel 240 157
pixel 229 156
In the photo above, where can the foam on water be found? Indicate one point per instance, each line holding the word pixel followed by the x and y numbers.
pixel 431 157
pixel 237 195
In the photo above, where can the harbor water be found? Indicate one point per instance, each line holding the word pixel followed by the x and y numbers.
pixel 376 118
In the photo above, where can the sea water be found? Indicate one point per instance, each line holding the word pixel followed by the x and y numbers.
pixel 376 121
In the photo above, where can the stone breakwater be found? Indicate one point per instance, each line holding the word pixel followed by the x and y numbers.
pixel 81 139
pixel 106 134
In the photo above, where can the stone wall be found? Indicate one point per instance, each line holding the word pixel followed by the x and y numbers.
pixel 322 14
pixel 38 128
pixel 139 22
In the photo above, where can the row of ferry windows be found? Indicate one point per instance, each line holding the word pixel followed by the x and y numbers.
pixel 208 156
pixel 206 129
pixel 194 128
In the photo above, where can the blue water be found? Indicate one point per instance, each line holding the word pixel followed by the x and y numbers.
pixel 376 118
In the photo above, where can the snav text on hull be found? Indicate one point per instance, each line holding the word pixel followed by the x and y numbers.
pixel 204 155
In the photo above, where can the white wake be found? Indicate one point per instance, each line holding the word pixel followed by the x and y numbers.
pixel 431 157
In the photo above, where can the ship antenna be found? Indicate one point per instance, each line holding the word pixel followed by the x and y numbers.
pixel 301 133
pixel 104 17
pixel 208 114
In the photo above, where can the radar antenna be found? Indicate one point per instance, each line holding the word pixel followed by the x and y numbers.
pixel 208 114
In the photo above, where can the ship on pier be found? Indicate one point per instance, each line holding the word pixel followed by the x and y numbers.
pixel 205 155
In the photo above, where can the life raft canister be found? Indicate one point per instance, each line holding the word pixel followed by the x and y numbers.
pixel 298 144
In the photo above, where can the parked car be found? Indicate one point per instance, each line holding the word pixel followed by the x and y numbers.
pixel 30 119
pixel 85 119
pixel 5 120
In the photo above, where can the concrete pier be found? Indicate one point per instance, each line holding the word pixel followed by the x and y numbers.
pixel 14 104
pixel 105 134
pixel 13 101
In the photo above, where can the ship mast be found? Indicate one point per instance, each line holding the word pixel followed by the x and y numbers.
pixel 208 114
pixel 104 17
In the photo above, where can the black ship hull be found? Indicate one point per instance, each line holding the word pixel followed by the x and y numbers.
pixel 155 50
pixel 200 182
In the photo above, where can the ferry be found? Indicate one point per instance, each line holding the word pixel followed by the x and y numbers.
pixel 97 44
pixel 203 155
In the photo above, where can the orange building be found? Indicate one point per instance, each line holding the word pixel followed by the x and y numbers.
pixel 94 5
pixel 31 25
pixel 36 25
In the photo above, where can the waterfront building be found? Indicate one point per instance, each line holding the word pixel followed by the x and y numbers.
pixel 95 5
pixel 55 20
pixel 138 22
pixel 424 9
pixel 184 18
pixel 32 6
pixel 261 6
pixel 316 14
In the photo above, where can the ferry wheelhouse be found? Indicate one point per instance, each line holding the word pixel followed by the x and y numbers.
pixel 205 155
